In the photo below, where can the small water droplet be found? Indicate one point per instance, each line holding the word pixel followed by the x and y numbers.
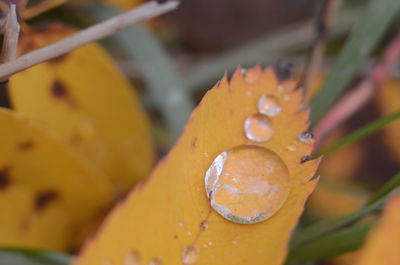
pixel 190 255
pixel 292 148
pixel 204 226
pixel 286 97
pixel 132 258
pixel 280 89
pixel 205 154
pixel 210 243
pixel 306 137
pixel 258 128
pixel 269 105
pixel 262 187
pixel 181 223
pixel 189 233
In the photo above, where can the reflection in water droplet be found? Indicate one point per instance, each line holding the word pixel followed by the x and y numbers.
pixel 132 258
pixel 181 223
pixel 190 255
pixel 306 137
pixel 247 184
pixel 269 105
pixel 204 226
pixel 258 128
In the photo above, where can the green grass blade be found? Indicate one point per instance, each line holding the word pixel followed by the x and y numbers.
pixel 164 83
pixel 358 135
pixel 27 256
pixel 363 39
pixel 386 189
pixel 322 228
pixel 343 241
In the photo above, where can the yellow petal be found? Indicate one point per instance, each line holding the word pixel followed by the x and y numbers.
pixel 83 99
pixel 389 102
pixel 49 196
pixel 382 245
pixel 169 218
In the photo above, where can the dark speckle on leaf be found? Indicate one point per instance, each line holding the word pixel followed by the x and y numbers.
pixel 25 145
pixel 58 89
pixel 4 177
pixel 44 198
pixel 284 71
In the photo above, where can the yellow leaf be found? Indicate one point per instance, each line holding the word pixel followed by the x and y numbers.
pixel 83 100
pixel 44 196
pixel 389 102
pixel 382 245
pixel 169 219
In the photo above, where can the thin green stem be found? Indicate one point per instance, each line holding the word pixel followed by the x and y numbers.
pixel 386 189
pixel 342 241
pixel 325 227
pixel 358 135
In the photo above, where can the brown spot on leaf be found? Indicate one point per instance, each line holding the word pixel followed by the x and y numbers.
pixel 194 142
pixel 175 236
pixel 60 91
pixel 4 177
pixel 75 139
pixel 26 145
pixel 44 198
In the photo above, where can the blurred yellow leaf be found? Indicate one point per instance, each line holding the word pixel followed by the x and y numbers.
pixel 382 245
pixel 49 196
pixel 389 102
pixel 169 220
pixel 83 99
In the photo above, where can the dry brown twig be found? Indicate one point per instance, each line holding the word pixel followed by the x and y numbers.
pixel 323 24
pixel 10 29
pixel 86 36
pixel 361 95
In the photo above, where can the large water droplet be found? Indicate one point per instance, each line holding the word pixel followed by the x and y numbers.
pixel 258 128
pixel 247 184
pixel 132 258
pixel 190 255
pixel 269 105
